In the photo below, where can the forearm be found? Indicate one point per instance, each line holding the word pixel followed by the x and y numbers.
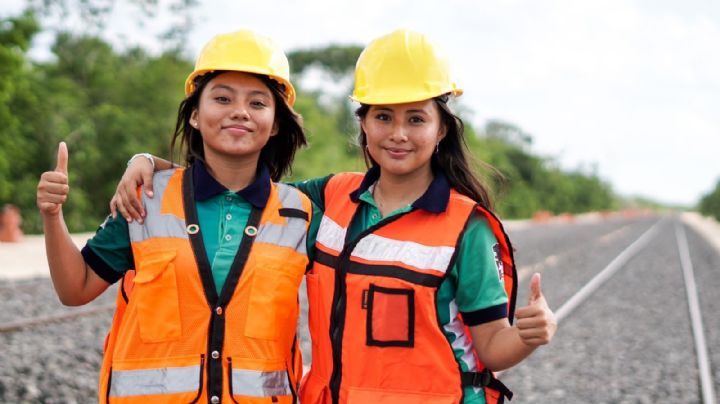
pixel 504 349
pixel 70 275
pixel 499 345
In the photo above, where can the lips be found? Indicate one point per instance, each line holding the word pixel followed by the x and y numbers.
pixel 237 129
pixel 397 152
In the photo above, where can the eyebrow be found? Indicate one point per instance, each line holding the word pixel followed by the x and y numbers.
pixel 231 89
pixel 410 111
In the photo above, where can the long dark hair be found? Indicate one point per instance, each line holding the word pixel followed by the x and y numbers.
pixel 452 156
pixel 277 154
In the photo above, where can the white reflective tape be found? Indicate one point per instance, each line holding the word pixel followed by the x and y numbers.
pixel 289 196
pixel 461 343
pixel 377 248
pixel 124 383
pixel 293 234
pixel 157 224
pixel 331 234
pixel 255 383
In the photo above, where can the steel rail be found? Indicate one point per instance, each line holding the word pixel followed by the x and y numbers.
pixel 706 380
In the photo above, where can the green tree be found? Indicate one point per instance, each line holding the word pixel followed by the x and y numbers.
pixel 16 81
pixel 710 203
pixel 105 105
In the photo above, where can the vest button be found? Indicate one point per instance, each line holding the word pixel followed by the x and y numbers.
pixel 218 310
pixel 215 354
pixel 214 399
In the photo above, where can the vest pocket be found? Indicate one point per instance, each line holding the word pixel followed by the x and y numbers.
pixel 156 297
pixel 273 304
pixel 390 317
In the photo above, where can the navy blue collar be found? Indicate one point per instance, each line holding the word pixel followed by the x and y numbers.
pixel 434 200
pixel 257 193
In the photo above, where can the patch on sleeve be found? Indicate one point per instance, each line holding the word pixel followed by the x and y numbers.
pixel 498 262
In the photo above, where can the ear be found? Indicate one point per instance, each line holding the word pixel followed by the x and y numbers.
pixel 194 119
pixel 362 124
pixel 275 129
pixel 442 132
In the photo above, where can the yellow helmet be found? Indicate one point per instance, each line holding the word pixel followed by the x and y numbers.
pixel 243 51
pixel 403 66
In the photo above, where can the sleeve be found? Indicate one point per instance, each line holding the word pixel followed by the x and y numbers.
pixel 314 188
pixel 480 292
pixel 108 252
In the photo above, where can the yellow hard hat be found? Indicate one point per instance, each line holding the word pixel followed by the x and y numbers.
pixel 403 66
pixel 243 51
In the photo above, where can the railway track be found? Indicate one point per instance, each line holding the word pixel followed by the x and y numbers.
pixel 696 377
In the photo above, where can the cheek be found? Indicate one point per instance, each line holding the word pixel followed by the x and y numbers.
pixel 374 133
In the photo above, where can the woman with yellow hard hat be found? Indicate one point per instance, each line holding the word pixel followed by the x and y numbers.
pixel 208 302
pixel 413 281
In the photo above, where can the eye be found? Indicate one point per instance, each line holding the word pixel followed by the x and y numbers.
pixel 381 116
pixel 222 99
pixel 417 120
pixel 258 104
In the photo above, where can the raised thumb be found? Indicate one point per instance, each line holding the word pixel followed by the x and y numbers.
pixel 62 158
pixel 535 290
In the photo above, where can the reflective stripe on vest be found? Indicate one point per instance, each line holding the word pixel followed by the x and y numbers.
pixel 156 223
pixel 378 248
pixel 259 384
pixel 277 234
pixel 155 381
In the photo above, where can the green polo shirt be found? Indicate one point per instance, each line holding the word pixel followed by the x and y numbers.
pixel 472 286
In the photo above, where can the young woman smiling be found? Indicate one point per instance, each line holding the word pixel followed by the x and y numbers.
pixel 208 303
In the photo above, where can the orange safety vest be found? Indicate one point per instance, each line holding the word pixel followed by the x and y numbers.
pixel 173 339
pixel 373 319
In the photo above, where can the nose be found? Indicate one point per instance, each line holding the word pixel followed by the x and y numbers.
pixel 399 133
pixel 240 112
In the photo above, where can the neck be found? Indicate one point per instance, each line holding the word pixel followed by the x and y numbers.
pixel 234 173
pixel 396 191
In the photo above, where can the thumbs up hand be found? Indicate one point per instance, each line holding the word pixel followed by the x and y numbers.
pixel 53 188
pixel 536 323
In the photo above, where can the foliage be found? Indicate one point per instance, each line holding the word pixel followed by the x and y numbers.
pixel 535 183
pixel 335 59
pixel 105 105
pixel 710 203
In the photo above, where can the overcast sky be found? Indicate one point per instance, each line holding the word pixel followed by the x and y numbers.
pixel 632 87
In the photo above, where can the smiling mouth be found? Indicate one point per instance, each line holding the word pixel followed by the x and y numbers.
pixel 237 129
pixel 397 151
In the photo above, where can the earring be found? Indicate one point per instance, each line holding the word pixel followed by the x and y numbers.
pixel 437 147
